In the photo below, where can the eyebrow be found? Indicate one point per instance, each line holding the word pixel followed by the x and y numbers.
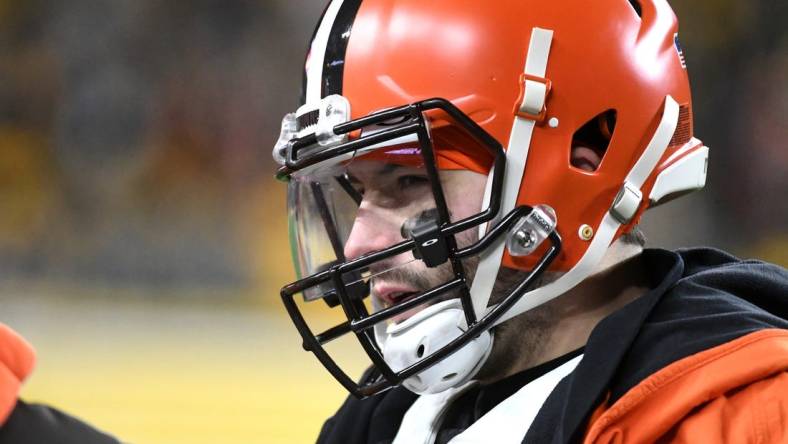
pixel 389 168
pixel 384 170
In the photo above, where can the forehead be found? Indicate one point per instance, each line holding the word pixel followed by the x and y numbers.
pixel 381 169
pixel 374 170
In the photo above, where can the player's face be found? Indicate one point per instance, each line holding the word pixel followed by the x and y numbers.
pixel 393 194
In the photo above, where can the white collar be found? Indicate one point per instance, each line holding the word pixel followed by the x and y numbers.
pixel 507 422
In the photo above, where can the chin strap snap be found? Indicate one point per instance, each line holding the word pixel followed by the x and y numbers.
pixel 630 196
pixel 626 203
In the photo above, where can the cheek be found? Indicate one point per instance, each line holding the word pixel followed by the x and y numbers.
pixel 464 204
pixel 464 193
pixel 465 209
pixel 432 277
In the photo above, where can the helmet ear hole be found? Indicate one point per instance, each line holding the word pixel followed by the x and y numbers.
pixel 636 6
pixel 590 141
pixel 450 376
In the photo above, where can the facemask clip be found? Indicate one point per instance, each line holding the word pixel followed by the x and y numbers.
pixel 431 246
pixel 286 134
pixel 334 110
pixel 527 234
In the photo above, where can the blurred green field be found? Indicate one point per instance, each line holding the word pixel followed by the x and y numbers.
pixel 186 370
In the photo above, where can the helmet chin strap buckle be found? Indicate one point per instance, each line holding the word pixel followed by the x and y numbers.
pixel 533 96
pixel 626 203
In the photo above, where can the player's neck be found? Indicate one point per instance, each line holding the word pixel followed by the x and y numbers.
pixel 569 318
pixel 582 308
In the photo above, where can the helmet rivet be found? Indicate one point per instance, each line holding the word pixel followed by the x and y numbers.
pixel 553 122
pixel 525 238
pixel 585 232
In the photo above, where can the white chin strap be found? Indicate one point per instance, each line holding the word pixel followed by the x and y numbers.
pixel 516 157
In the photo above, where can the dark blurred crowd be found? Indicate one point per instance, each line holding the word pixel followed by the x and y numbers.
pixel 135 135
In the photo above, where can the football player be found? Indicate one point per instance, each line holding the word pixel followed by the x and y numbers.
pixel 465 181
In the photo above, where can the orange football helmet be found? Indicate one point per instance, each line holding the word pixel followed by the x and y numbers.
pixel 503 88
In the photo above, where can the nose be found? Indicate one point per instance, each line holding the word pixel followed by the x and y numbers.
pixel 371 231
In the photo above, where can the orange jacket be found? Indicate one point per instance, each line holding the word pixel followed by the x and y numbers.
pixel 734 393
pixel 16 362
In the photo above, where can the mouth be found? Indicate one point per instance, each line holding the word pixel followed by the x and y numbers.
pixel 394 295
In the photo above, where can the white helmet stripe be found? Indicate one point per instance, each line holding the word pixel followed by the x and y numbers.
pixel 317 53
pixel 326 62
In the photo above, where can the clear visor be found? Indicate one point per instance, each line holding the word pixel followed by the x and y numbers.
pixel 368 201
pixel 343 211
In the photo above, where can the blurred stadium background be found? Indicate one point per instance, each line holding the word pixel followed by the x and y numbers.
pixel 142 236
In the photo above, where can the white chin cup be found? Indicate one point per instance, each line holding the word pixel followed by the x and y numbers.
pixel 427 331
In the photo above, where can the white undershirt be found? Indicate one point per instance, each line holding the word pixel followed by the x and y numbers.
pixel 507 422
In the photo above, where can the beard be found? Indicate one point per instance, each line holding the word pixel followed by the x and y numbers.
pixel 518 340
pixel 522 338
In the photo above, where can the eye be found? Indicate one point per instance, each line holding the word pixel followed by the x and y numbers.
pixel 412 181
pixel 356 184
pixel 352 187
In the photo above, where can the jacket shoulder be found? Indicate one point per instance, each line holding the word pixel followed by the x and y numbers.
pixel 34 423
pixel 738 390
pixel 718 299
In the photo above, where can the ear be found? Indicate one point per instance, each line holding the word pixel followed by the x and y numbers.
pixel 585 158
pixel 590 141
